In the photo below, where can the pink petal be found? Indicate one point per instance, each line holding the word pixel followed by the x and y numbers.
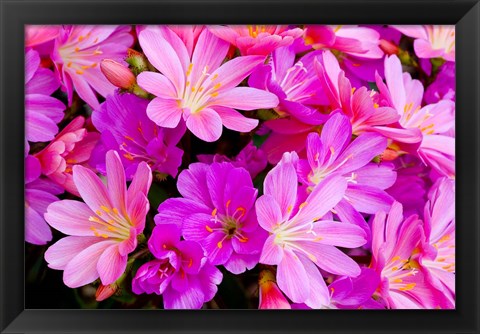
pixel 281 184
pixel 82 269
pixel 339 234
pixel 111 265
pixel 319 294
pixel 91 188
pixel 63 251
pixel 162 55
pixel 164 112
pixel 245 98
pixel 156 84
pixel 268 212
pixel 70 217
pixel 141 182
pixel 37 231
pixel 271 253
pixel 116 183
pixel 292 278
pixel 205 124
pixel 233 120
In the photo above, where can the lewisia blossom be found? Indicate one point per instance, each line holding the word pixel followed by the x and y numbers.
pixel 429 125
pixel 250 157
pixel 396 250
pixel 77 55
pixel 180 271
pixel 300 240
pixel 199 89
pixel 440 235
pixel 432 41
pixel 103 230
pixel 332 153
pixel 218 212
pixel 42 112
pixel 125 128
pixel 72 146
pixel 39 194
pixel 257 39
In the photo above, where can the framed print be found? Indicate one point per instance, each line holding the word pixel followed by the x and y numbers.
pixel 241 167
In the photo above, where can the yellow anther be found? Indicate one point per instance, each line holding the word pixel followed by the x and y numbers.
pixel 214 77
pixel 375 105
pixel 312 257
pixel 394 268
pixel 219 244
pixel 289 209
pixel 85 67
pixel 395 258
pixel 77 49
pixel 301 206
pixel 214 94
pixel 243 239
pixel 398 280
pixel 214 212
pixel 200 89
pixel 69 64
pixel 128 156
pixel 98 212
pixel 104 208
pixel 217 86
pixel 228 203
pixel 317 239
pixel 115 211
pixel 208 228
pixel 332 150
pixel 190 263
pixel 93 65
pixel 128 138
pixel 81 38
pixel 80 72
pixel 187 84
pixel 407 287
pixel 111 228
pixel 193 89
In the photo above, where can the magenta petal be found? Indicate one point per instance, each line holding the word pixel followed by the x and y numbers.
pixel 292 278
pixel 195 226
pixel 239 263
pixel 319 295
pixel 192 256
pixel 217 247
pixel 37 231
pixel 116 181
pixel 164 238
pixel 368 199
pixel 205 124
pixel 141 182
pixel 111 265
pixel 164 112
pixel 176 210
pixel 191 298
pixel 192 184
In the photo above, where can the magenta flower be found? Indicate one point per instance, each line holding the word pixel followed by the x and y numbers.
pixel 39 194
pixel 332 153
pixel 396 250
pixel 300 241
pixel 199 88
pixel 432 41
pixel 125 128
pixel 440 235
pixel 217 212
pixel 355 293
pixel 180 272
pixel 42 112
pixel 250 157
pixel 103 230
pixel 429 125
pixel 77 55
pixel 72 146
pixel 258 39
pixel 443 88
pixel 294 83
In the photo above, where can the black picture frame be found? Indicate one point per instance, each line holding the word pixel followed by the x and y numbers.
pixel 14 318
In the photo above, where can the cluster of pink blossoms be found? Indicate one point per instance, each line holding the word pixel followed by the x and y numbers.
pixel 319 160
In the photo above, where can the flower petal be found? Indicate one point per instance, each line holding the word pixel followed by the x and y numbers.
pixel 111 265
pixel 164 112
pixel 292 278
pixel 205 124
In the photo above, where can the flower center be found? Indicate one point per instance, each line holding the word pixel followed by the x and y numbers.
pixel 79 55
pixel 109 223
pixel 229 224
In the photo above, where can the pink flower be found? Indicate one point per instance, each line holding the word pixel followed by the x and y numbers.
pixel 259 39
pixel 432 41
pixel 37 34
pixel 300 240
pixel 251 158
pixel 269 295
pixel 396 250
pixel 42 112
pixel 333 153
pixel 217 212
pixel 440 235
pixel 357 104
pixel 180 272
pixel 118 74
pixel 427 126
pixel 77 55
pixel 362 42
pixel 39 194
pixel 103 230
pixel 72 146
pixel 443 88
pixel 199 88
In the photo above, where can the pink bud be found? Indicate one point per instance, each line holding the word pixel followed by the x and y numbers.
pixel 388 47
pixel 105 291
pixel 118 74
pixel 270 296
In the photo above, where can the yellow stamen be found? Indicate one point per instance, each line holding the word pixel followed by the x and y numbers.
pixel 219 244
pixel 214 212
pixel 104 208
pixel 208 228
pixel 214 94
pixel 301 206
pixel 190 263
pixel 217 86
pixel 79 72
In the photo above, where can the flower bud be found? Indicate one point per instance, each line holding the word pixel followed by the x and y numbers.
pixel 105 291
pixel 137 61
pixel 118 74
pixel 270 296
pixel 388 47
